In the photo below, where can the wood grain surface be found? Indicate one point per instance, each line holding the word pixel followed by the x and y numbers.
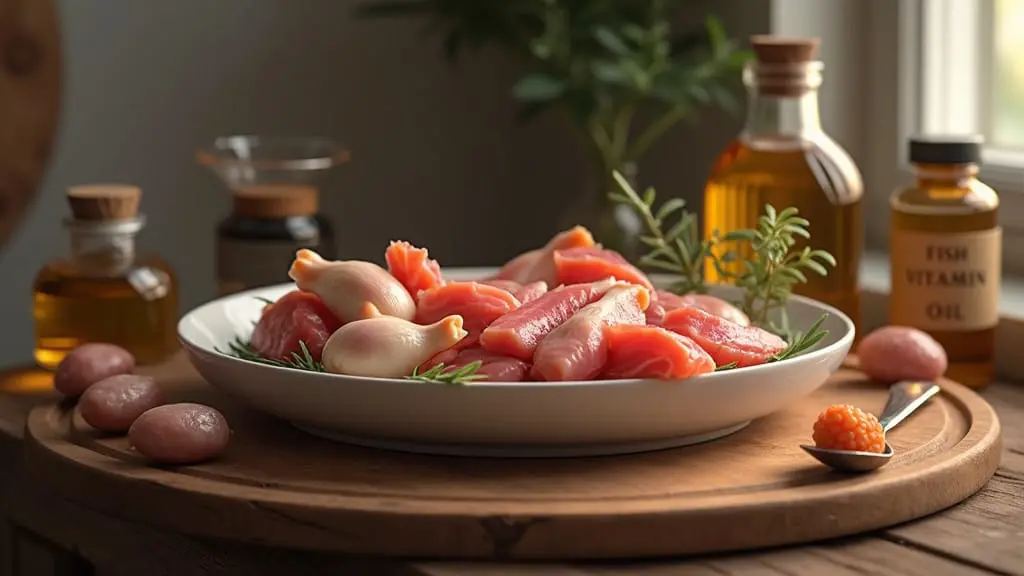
pixel 281 487
pixel 30 81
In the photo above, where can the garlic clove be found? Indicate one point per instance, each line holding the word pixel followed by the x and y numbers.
pixel 346 285
pixel 388 347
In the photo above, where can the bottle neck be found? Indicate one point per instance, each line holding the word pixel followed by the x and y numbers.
pixel 782 101
pixel 786 117
pixel 945 175
pixel 103 247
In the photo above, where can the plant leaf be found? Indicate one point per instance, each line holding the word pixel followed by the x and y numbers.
pixel 538 88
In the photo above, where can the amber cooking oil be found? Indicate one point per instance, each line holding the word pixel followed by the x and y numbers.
pixel 945 248
pixel 784 158
pixel 104 291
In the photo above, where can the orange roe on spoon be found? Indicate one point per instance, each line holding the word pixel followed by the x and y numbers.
pixel 844 427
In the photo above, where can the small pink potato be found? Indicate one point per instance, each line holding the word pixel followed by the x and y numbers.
pixel 113 404
pixel 894 353
pixel 180 433
pixel 88 364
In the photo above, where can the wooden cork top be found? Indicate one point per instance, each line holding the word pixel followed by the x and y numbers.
pixel 785 66
pixel 104 202
pixel 784 50
pixel 276 201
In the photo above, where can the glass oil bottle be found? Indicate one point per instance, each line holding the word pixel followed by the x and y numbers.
pixel 784 158
pixel 945 248
pixel 104 291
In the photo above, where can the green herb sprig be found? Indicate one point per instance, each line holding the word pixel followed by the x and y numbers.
pixel 679 251
pixel 767 277
pixel 449 375
pixel 301 360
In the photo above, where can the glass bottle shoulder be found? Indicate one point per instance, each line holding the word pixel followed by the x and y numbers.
pixel 945 197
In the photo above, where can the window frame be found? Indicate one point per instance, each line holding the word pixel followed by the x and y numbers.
pixel 927 97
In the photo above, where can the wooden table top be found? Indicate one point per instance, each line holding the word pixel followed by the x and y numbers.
pixel 983 535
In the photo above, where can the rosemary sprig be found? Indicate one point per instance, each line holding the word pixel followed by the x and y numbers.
pixel 449 375
pixel 769 276
pixel 803 342
pixel 301 360
pixel 680 250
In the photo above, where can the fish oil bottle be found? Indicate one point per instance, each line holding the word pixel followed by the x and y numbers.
pixel 945 248
pixel 784 158
pixel 269 223
pixel 104 291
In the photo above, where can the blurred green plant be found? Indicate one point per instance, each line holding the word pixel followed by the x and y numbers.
pixel 602 60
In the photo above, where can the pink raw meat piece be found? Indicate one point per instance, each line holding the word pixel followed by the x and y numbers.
pixel 517 333
pixel 577 350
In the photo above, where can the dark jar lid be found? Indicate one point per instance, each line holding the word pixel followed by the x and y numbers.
pixel 963 149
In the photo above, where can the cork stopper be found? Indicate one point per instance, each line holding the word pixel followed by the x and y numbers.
pixel 784 66
pixel 276 201
pixel 784 50
pixel 104 202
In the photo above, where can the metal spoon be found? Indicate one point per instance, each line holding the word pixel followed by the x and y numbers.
pixel 904 398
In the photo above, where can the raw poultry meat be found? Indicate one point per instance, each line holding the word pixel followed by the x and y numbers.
pixel 577 350
pixel 388 347
pixel 413 267
pixel 495 367
pixel 578 265
pixel 295 317
pixel 539 264
pixel 652 352
pixel 725 341
pixel 667 301
pixel 478 304
pixel 517 334
pixel 346 285
pixel 523 293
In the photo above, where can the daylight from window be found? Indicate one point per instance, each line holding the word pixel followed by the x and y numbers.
pixel 1008 75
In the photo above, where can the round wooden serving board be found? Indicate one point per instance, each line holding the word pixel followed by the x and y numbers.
pixel 280 487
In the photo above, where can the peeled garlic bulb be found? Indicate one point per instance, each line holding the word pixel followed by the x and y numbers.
pixel 347 285
pixel 386 346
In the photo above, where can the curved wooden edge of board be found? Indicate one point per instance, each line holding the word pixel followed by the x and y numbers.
pixel 662 526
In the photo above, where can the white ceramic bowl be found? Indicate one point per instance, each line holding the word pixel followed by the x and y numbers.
pixel 532 419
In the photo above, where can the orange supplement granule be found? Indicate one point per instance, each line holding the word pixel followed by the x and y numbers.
pixel 844 427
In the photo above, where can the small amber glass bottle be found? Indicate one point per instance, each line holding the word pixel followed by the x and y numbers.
pixel 269 223
pixel 945 248
pixel 783 157
pixel 105 292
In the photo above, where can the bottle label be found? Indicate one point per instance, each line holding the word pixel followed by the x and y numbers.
pixel 946 281
pixel 242 264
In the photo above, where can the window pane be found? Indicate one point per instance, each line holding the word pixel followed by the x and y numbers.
pixel 1007 120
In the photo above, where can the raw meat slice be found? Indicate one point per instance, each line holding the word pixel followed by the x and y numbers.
pixel 519 266
pixel 652 352
pixel 517 333
pixel 538 264
pixel 725 341
pixel 506 285
pixel 578 265
pixel 523 293
pixel 449 355
pixel 413 267
pixel 495 367
pixel 478 304
pixel 531 291
pixel 296 316
pixel 577 350
pixel 667 301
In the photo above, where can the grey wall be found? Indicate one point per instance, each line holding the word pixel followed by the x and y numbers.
pixel 146 82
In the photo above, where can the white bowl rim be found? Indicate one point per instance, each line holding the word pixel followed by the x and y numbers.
pixel 814 355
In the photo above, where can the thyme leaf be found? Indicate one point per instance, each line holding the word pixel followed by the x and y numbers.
pixel 301 360
pixel 449 375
